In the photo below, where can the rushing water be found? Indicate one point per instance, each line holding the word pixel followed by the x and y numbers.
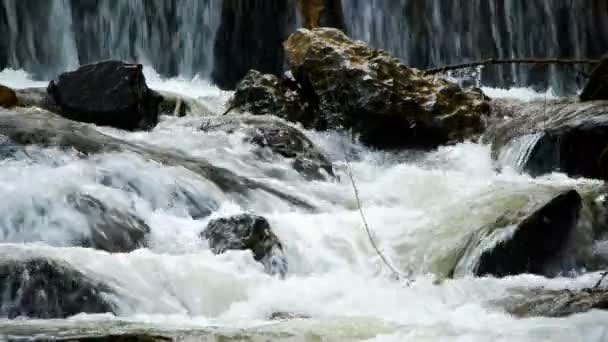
pixel 417 206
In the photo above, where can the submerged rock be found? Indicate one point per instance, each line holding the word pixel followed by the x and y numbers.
pixel 46 289
pixel 555 303
pixel 108 93
pixel 388 104
pixel 8 97
pixel 527 245
pixel 35 127
pixel 565 136
pixel 597 86
pixel 271 133
pixel 112 230
pixel 247 232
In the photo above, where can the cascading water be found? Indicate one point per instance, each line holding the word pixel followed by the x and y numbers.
pixel 434 33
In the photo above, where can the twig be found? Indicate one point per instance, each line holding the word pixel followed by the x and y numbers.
pixel 493 61
pixel 599 282
pixel 230 109
pixel 394 271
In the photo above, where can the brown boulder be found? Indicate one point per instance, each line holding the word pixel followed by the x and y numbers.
pixel 388 104
pixel 8 98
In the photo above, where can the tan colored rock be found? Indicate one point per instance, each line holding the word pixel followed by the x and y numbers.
pixel 385 102
pixel 8 98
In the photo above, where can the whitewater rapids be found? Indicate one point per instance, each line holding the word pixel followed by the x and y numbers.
pixel 414 204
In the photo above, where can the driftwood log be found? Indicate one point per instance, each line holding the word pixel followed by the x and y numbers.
pixel 492 61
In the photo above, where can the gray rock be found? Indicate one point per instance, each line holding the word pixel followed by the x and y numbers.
pixel 44 288
pixel 247 232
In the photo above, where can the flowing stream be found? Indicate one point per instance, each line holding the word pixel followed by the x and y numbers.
pixel 418 206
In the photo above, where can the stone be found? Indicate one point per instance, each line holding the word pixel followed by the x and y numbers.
pixel 531 244
pixel 110 93
pixel 554 303
pixel 352 86
pixel 555 136
pixel 597 86
pixel 280 138
pixel 8 97
pixel 322 13
pixel 46 289
pixel 112 230
pixel 247 232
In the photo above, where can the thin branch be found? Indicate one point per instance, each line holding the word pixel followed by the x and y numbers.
pixel 492 61
pixel 599 282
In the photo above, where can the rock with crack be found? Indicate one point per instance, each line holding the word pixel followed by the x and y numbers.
pixel 46 289
pixel 268 132
pixel 353 86
pixel 563 135
pixel 112 230
pixel 247 232
pixel 110 93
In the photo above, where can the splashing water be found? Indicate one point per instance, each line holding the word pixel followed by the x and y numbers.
pixel 418 207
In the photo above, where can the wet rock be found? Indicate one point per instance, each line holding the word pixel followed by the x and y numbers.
pixel 35 127
pixel 238 44
pixel 112 230
pixel 271 133
pixel 597 86
pixel 555 303
pixel 108 93
pixel 388 104
pixel 265 94
pixel 530 245
pixel 322 13
pixel 174 104
pixel 564 135
pixel 44 288
pixel 141 337
pixel 8 98
pixel 286 316
pixel 247 232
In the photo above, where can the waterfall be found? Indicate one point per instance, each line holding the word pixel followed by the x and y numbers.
pixel 175 37
pixel 433 33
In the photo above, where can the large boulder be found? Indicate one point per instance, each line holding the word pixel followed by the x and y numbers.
pixel 388 104
pixel 8 97
pixel 597 86
pixel 533 244
pixel 110 93
pixel 271 133
pixel 247 232
pixel 44 288
pixel 563 135
pixel 112 230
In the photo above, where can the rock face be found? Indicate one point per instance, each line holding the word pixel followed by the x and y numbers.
pixel 42 288
pixel 531 245
pixel 112 230
pixel 556 303
pixel 565 136
pixel 597 86
pixel 280 138
pixel 238 46
pixel 8 98
pixel 109 93
pixel 247 232
pixel 347 85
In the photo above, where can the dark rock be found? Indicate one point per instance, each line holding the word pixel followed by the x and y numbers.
pixel 353 86
pixel 8 98
pixel 555 303
pixel 247 232
pixel 112 230
pixel 109 93
pixel 282 139
pixel 267 95
pixel 286 316
pixel 34 127
pixel 43 288
pixel 239 46
pixel 535 242
pixel 565 136
pixel 118 338
pixel 597 86
pixel 322 13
